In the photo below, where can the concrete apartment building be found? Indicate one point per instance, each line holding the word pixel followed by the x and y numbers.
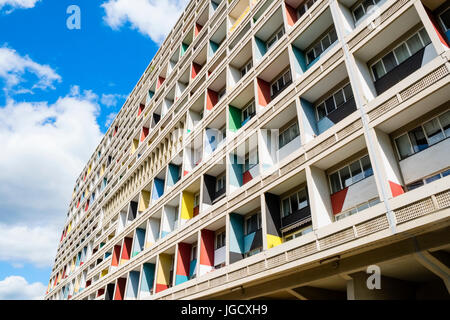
pixel 274 149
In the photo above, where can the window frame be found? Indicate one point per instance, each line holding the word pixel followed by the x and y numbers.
pixel 280 134
pixel 281 77
pixel 395 56
pixel 247 67
pixel 274 36
pixel 334 100
pixel 445 28
pixel 258 222
pixel 252 103
pixel 222 242
pixel 288 197
pixel 222 178
pixel 350 172
pixel 421 125
pixel 314 44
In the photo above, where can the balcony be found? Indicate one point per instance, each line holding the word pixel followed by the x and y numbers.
pixel 269 35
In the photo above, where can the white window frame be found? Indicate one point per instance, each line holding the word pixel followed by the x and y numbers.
pixel 247 67
pixel 351 176
pixel 222 179
pixel 395 56
pixel 222 240
pixel 281 77
pixel 258 221
pixel 425 134
pixel 286 130
pixel 290 204
pixel 321 45
pixel 306 6
pixel 275 36
pixel 298 233
pixel 249 105
pixel 334 100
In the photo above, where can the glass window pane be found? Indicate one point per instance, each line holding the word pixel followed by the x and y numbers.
pixel 339 98
pixel 302 199
pixel 326 42
pixel 433 178
pixel 389 61
pixel 367 4
pixel 348 92
pixel 418 140
pixel 295 131
pixel 333 35
pixel 356 171
pixel 374 202
pixel 335 182
pixel 321 111
pixel 425 38
pixel 311 56
pixel 414 44
pixel 401 53
pixel 446 173
pixel 294 202
pixel 363 207
pixel 287 77
pixel 403 146
pixel 366 166
pixel 445 122
pixel 445 18
pixel 286 208
pixel 414 185
pixel 318 49
pixel 330 105
pixel 301 10
pixel 433 131
pixel 358 13
pixel 346 179
pixel 378 70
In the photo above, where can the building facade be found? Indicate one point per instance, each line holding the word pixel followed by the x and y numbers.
pixel 274 149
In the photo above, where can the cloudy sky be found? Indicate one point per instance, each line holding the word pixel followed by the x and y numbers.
pixel 59 91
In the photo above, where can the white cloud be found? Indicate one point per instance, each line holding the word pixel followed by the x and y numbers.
pixel 23 4
pixel 14 67
pixel 44 148
pixel 153 18
pixel 110 118
pixel 22 244
pixel 111 100
pixel 18 288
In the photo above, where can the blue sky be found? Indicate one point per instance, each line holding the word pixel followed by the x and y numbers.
pixel 60 88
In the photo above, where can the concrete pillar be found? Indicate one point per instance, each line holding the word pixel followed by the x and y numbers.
pixel 319 197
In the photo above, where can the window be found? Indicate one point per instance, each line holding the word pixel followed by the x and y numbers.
pixel 427 180
pixel 425 135
pixel 221 94
pixel 194 252
pixel 220 183
pixel 320 46
pixel 445 19
pixel 253 252
pixel 251 160
pixel 333 102
pixel 294 202
pixel 288 135
pixel 358 208
pixel 305 7
pixel 253 223
pixel 282 82
pixel 402 52
pixel 361 9
pixel 196 200
pixel 351 174
pixel 249 111
pixel 274 38
pixel 220 240
pixel 298 233
pixel 246 68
